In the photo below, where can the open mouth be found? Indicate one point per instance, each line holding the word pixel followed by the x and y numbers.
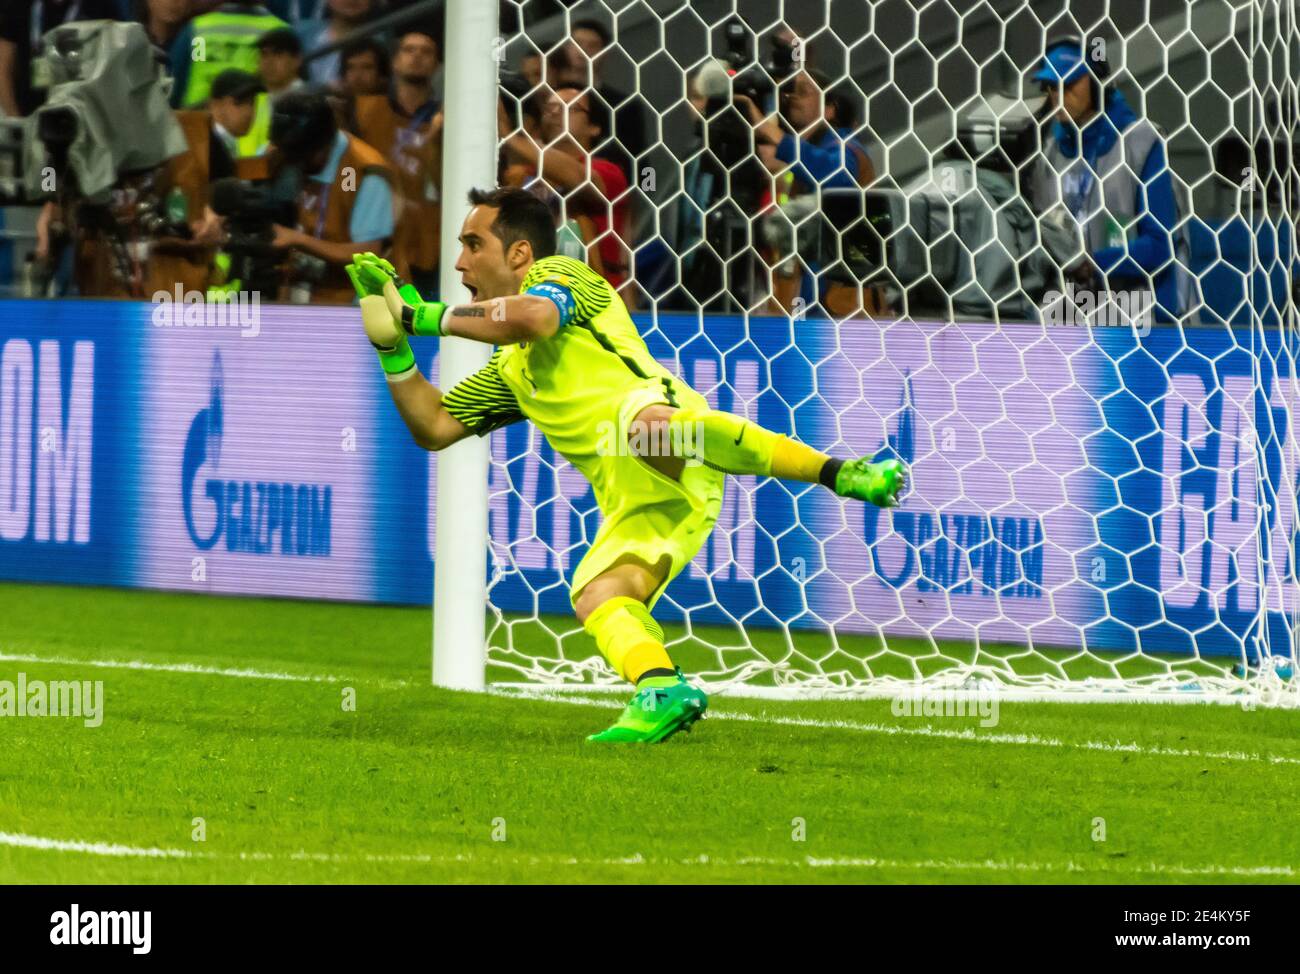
pixel 473 292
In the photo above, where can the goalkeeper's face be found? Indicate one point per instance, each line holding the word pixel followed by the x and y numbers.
pixel 488 268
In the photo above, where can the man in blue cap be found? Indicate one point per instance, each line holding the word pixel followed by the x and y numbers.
pixel 1109 170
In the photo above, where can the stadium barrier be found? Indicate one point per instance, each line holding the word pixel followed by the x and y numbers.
pixel 1074 487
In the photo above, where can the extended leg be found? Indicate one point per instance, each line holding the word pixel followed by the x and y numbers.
pixel 735 445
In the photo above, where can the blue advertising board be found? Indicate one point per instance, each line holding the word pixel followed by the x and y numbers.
pixel 1072 487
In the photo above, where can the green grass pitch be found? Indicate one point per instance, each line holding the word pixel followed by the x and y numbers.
pixel 424 785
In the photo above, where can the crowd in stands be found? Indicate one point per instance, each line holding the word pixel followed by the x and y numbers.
pixel 349 138
pixel 297 94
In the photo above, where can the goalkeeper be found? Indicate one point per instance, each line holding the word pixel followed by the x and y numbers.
pixel 570 359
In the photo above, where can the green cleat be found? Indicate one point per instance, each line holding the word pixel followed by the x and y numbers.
pixel 663 705
pixel 878 483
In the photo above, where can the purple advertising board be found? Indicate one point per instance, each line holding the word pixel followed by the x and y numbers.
pixel 1072 487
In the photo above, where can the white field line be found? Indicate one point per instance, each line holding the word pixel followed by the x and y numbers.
pixel 1027 740
pixel 969 735
pixel 20 841
pixel 114 850
pixel 243 673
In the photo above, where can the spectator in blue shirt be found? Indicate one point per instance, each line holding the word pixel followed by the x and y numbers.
pixel 1109 171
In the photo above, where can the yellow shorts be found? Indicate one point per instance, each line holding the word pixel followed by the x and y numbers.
pixel 649 517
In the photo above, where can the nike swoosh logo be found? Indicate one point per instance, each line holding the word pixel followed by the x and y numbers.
pixel 741 435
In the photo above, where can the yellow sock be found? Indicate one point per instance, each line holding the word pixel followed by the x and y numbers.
pixel 792 460
pixel 628 637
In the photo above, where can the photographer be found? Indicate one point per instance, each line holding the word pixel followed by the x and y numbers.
pixel 723 187
pixel 346 203
pixel 814 150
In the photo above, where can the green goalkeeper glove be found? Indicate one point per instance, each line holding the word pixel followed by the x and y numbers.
pixel 370 272
pixel 416 316
pixel 387 337
pixel 374 275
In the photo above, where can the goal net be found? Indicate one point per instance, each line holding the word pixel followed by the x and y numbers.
pixel 1084 345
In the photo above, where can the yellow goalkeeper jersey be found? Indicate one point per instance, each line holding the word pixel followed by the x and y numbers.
pixel 582 387
pixel 570 384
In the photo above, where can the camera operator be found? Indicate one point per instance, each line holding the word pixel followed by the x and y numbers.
pixel 346 203
pixel 163 215
pixel 814 150
pixel 133 216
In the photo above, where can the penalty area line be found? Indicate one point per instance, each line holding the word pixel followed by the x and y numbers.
pixel 117 850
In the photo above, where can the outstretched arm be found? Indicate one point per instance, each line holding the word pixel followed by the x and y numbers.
pixel 418 401
pixel 500 321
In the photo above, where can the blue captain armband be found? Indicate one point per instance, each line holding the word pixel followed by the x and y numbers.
pixel 560 296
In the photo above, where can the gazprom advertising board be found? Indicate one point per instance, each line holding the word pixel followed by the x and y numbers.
pixel 1071 486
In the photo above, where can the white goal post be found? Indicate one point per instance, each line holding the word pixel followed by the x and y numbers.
pixel 1104 459
pixel 460 558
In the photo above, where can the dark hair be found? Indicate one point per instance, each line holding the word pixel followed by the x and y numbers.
pixel 282 40
pixel 839 95
pixel 302 122
pixel 520 216
pixel 596 27
pixel 597 109
pixel 433 33
pixel 362 46
pixel 845 98
pixel 555 66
